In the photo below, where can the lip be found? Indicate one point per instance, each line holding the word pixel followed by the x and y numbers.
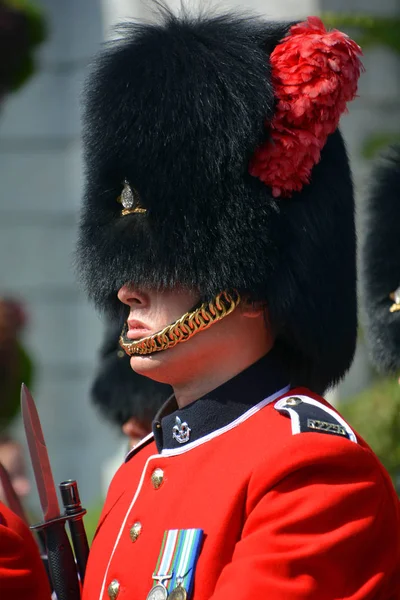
pixel 137 330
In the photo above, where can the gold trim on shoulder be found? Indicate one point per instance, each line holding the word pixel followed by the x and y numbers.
pixel 395 296
pixel 130 200
pixel 184 328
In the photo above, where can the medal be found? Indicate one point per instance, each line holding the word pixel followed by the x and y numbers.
pixel 158 592
pixel 174 573
pixel 179 593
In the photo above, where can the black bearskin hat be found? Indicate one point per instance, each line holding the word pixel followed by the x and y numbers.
pixel 118 392
pixel 178 108
pixel 381 257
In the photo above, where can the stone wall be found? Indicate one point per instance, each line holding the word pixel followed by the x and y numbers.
pixel 40 191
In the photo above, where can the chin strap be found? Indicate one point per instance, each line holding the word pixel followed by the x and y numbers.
pixel 184 328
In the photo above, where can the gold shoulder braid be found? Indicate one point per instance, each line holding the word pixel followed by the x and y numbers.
pixel 184 328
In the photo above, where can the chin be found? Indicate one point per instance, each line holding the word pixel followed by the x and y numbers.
pixel 155 366
pixel 169 366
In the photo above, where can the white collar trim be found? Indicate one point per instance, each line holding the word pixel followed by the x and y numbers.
pixel 139 444
pixel 206 438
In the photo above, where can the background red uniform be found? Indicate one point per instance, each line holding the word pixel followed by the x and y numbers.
pixel 22 575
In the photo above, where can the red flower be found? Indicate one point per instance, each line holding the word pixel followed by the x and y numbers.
pixel 315 74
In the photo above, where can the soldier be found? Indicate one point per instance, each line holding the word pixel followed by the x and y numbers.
pixel 22 574
pixel 219 210
pixel 124 398
pixel 381 254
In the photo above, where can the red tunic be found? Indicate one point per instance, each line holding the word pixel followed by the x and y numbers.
pixel 288 512
pixel 22 575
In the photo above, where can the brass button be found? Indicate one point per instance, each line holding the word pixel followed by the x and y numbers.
pixel 157 478
pixel 113 589
pixel 293 401
pixel 135 531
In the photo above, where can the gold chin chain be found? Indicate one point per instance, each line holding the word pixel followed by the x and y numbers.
pixel 184 328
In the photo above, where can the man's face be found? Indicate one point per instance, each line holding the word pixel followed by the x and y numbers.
pixel 151 311
pixel 135 431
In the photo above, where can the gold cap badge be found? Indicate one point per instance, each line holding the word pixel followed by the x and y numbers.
pixel 129 199
pixel 396 297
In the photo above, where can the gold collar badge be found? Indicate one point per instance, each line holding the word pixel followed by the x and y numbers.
pixel 130 201
pixel 395 296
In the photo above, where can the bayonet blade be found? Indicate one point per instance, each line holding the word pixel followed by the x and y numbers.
pixel 39 456
pixel 14 503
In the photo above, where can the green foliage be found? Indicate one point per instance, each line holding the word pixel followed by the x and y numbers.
pixel 37 26
pixel 375 412
pixel 369 30
pixel 36 33
pixel 10 405
pixel 378 141
pixel 375 415
pixel 91 519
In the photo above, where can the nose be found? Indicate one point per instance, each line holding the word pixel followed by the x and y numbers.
pixel 131 296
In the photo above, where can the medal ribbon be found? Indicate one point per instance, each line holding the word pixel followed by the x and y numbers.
pixel 178 556
pixel 168 546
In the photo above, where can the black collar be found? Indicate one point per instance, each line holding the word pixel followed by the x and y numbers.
pixel 219 407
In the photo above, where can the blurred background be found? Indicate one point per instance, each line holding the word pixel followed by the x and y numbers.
pixel 49 335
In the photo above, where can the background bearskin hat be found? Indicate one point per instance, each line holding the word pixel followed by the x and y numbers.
pixel 381 259
pixel 178 108
pixel 118 392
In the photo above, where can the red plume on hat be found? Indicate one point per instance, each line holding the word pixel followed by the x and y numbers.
pixel 314 74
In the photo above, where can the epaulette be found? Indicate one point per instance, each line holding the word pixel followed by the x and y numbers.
pixel 309 415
